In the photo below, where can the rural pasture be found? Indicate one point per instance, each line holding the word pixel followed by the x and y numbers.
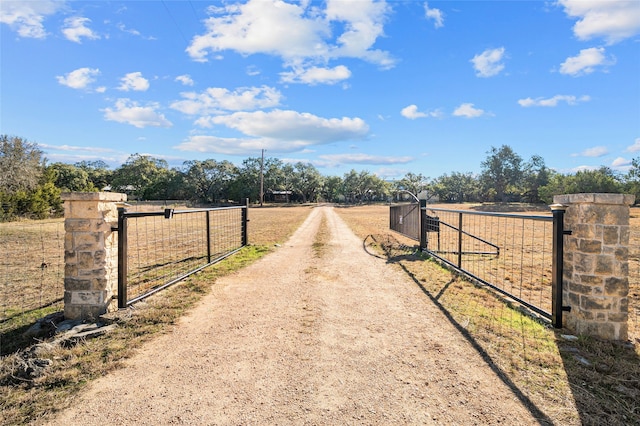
pixel 32 256
pixel 572 382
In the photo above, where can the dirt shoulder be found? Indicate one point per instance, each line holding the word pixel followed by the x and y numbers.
pixel 299 337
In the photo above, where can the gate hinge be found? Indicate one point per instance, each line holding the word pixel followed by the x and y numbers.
pixel 566 232
pixel 566 308
pixel 114 229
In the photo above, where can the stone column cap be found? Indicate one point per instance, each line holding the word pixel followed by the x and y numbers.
pixel 595 198
pixel 93 196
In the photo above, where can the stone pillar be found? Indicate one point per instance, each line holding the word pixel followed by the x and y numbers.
pixel 596 269
pixel 90 253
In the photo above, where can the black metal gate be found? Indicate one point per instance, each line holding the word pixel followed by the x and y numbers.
pixel 519 256
pixel 158 249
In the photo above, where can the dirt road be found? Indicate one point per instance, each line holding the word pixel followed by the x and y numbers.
pixel 300 338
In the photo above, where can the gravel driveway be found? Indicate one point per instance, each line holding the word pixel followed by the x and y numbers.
pixel 301 338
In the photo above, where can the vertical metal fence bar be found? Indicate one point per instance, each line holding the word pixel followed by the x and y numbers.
pixel 122 258
pixel 245 221
pixel 460 240
pixel 208 217
pixel 557 253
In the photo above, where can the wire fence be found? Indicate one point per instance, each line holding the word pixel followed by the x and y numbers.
pixel 31 266
pixel 158 249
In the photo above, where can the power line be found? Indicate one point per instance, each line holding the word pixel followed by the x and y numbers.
pixel 174 21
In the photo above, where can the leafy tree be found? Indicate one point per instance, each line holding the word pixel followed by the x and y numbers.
pixel 210 180
pixel 456 187
pixel 535 175
pixel 363 186
pixel 142 176
pixel 98 171
pixel 501 173
pixel 21 164
pixel 307 181
pixel 603 180
pixel 332 190
pixel 414 183
pixel 71 178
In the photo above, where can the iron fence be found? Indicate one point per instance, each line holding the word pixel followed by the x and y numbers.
pixel 520 256
pixel 158 249
pixel 31 267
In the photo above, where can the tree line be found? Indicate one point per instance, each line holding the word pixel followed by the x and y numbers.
pixel 30 187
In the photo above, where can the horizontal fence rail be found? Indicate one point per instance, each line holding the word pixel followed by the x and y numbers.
pixel 511 253
pixel 31 267
pixel 158 249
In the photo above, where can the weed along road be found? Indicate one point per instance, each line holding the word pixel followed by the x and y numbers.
pixel 317 332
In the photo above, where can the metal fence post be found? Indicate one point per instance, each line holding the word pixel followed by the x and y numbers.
pixel 423 224
pixel 122 258
pixel 245 222
pixel 558 264
pixel 460 240
pixel 208 224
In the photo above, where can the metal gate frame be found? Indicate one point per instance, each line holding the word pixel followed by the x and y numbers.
pixel 433 224
pixel 124 216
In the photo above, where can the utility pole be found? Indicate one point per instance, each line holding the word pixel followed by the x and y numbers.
pixel 262 179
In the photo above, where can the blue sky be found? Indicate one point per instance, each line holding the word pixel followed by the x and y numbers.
pixel 389 87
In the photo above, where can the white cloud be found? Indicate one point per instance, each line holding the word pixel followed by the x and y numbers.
pixel 298 33
pixel 75 28
pixel 75 148
pixel 293 125
pixel 596 151
pixel 411 112
pixel 27 17
pixel 612 20
pixel 185 79
pixel 435 14
pixel 489 62
pixel 217 99
pixel 635 147
pixel 585 62
pixel 317 75
pixel 134 81
pixel 80 78
pixel 278 130
pixel 620 163
pixel 469 111
pixel 335 159
pixel 129 112
pixel 553 102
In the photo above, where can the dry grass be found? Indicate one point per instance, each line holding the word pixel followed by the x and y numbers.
pixel 24 401
pixel 31 267
pixel 565 382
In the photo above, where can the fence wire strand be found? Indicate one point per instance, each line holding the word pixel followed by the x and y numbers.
pixel 31 266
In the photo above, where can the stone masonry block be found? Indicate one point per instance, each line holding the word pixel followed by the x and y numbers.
pixel 584 264
pixel 590 246
pixel 77 225
pixel 76 283
pixel 595 304
pixel 610 234
pixel 85 260
pixel 616 286
pixel 87 241
pixel 604 265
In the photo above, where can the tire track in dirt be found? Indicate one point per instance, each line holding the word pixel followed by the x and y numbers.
pixel 297 338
